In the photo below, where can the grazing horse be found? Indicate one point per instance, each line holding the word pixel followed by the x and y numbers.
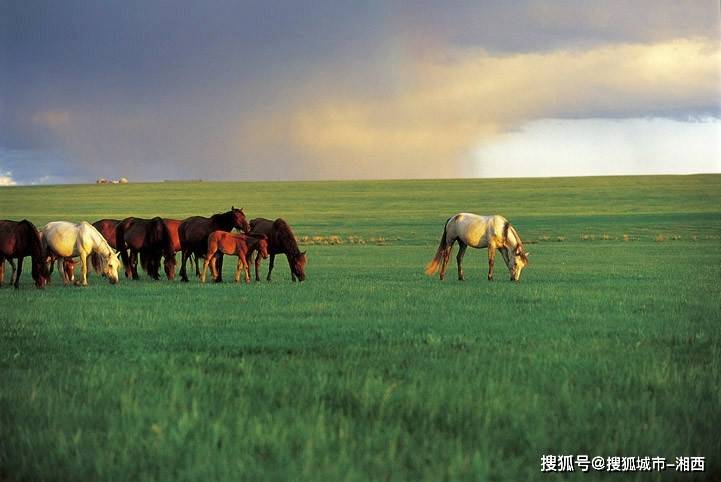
pixel 280 241
pixel 240 245
pixel 148 238
pixel 194 232
pixel 492 232
pixel 106 227
pixel 62 239
pixel 17 240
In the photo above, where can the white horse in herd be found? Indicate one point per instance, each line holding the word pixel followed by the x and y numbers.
pixel 492 232
pixel 62 239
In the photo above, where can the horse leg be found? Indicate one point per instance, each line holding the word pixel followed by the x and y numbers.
pixel 84 267
pixel 14 271
pixel 257 266
pixel 446 257
pixel 194 262
pixel 219 264
pixel 183 259
pixel 491 260
pixel 19 271
pixel 2 271
pixel 134 264
pixel 238 267
pixel 459 258
pixel 205 268
pixel 270 265
pixel 246 268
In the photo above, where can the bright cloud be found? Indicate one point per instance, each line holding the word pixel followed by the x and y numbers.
pixel 6 179
pixel 442 106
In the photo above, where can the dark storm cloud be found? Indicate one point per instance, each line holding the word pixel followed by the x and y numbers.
pixel 166 89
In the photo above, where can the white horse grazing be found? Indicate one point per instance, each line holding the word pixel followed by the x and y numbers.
pixel 492 232
pixel 62 239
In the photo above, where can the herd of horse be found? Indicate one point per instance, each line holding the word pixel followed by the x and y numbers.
pixel 155 242
pixel 152 242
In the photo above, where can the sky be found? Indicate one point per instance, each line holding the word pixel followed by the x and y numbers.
pixel 329 89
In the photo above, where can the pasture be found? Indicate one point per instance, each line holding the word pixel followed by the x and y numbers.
pixel 369 370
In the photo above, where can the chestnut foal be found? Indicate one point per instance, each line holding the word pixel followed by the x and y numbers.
pixel 240 245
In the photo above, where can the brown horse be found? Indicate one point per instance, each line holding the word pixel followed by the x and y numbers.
pixel 194 233
pixel 280 241
pixel 17 240
pixel 106 227
pixel 147 237
pixel 240 245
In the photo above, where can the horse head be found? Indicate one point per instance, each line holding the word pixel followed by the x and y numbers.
pixel 111 267
pixel 239 221
pixel 263 245
pixel 40 271
pixel 297 265
pixel 520 261
pixel 169 265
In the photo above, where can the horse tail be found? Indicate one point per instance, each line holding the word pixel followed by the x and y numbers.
pixel 435 264
pixel 159 244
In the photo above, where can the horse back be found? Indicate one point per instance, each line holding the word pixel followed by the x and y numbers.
pixel 7 238
pixel 475 230
pixel 194 231
pixel 280 237
pixel 106 227
pixel 19 239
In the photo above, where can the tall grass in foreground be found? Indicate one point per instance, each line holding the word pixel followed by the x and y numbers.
pixel 369 370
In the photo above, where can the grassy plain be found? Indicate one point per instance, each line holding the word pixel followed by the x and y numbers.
pixel 610 345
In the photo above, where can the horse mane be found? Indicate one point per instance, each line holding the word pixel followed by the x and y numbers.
pixel 284 237
pixel 518 238
pixel 506 227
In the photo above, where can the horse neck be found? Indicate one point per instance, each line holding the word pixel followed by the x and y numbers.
pixel 223 221
pixel 514 240
pixel 290 244
pixel 100 245
pixel 36 245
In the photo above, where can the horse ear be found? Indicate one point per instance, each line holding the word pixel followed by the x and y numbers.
pixel 232 208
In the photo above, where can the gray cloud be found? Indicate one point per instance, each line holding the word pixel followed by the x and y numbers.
pixel 160 89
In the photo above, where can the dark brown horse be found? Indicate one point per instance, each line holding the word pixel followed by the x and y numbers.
pixel 280 241
pixel 234 244
pixel 148 238
pixel 106 227
pixel 194 233
pixel 17 240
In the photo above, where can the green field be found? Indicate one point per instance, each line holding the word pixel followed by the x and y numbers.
pixel 369 370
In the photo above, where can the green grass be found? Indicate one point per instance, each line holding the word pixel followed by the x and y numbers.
pixel 369 370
